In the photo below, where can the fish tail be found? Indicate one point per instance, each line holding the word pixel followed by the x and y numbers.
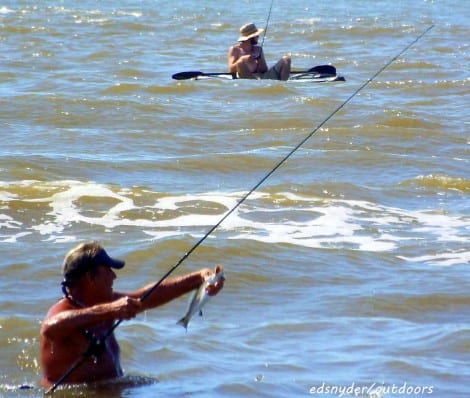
pixel 183 322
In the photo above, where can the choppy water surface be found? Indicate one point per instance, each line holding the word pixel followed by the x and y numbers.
pixel 347 267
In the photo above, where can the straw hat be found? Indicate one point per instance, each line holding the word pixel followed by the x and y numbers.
pixel 248 31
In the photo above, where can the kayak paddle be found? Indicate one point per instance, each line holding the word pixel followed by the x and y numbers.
pixel 320 69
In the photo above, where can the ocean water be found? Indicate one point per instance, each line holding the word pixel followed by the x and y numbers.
pixel 347 267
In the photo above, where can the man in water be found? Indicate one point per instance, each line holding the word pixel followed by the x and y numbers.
pixel 88 310
pixel 246 58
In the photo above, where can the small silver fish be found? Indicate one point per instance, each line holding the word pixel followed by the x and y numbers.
pixel 201 296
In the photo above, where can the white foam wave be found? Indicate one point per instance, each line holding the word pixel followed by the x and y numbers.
pixel 443 259
pixel 5 10
pixel 287 218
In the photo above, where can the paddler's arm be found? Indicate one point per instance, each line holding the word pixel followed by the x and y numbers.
pixel 172 288
pixel 233 56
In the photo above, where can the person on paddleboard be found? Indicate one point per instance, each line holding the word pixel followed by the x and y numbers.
pixel 74 329
pixel 246 58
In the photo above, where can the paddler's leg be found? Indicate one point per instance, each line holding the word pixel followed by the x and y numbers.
pixel 283 67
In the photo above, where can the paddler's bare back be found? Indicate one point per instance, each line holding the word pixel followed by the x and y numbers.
pixel 59 356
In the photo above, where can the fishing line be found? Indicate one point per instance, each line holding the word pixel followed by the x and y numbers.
pixel 96 343
pixel 267 22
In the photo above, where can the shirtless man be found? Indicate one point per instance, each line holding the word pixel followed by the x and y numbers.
pixel 246 59
pixel 90 307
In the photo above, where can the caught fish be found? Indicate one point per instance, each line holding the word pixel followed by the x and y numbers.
pixel 201 296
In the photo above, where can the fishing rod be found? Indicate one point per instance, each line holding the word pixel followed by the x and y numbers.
pixel 97 343
pixel 267 22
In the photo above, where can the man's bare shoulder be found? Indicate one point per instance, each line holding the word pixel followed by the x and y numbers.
pixel 49 327
pixel 62 305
